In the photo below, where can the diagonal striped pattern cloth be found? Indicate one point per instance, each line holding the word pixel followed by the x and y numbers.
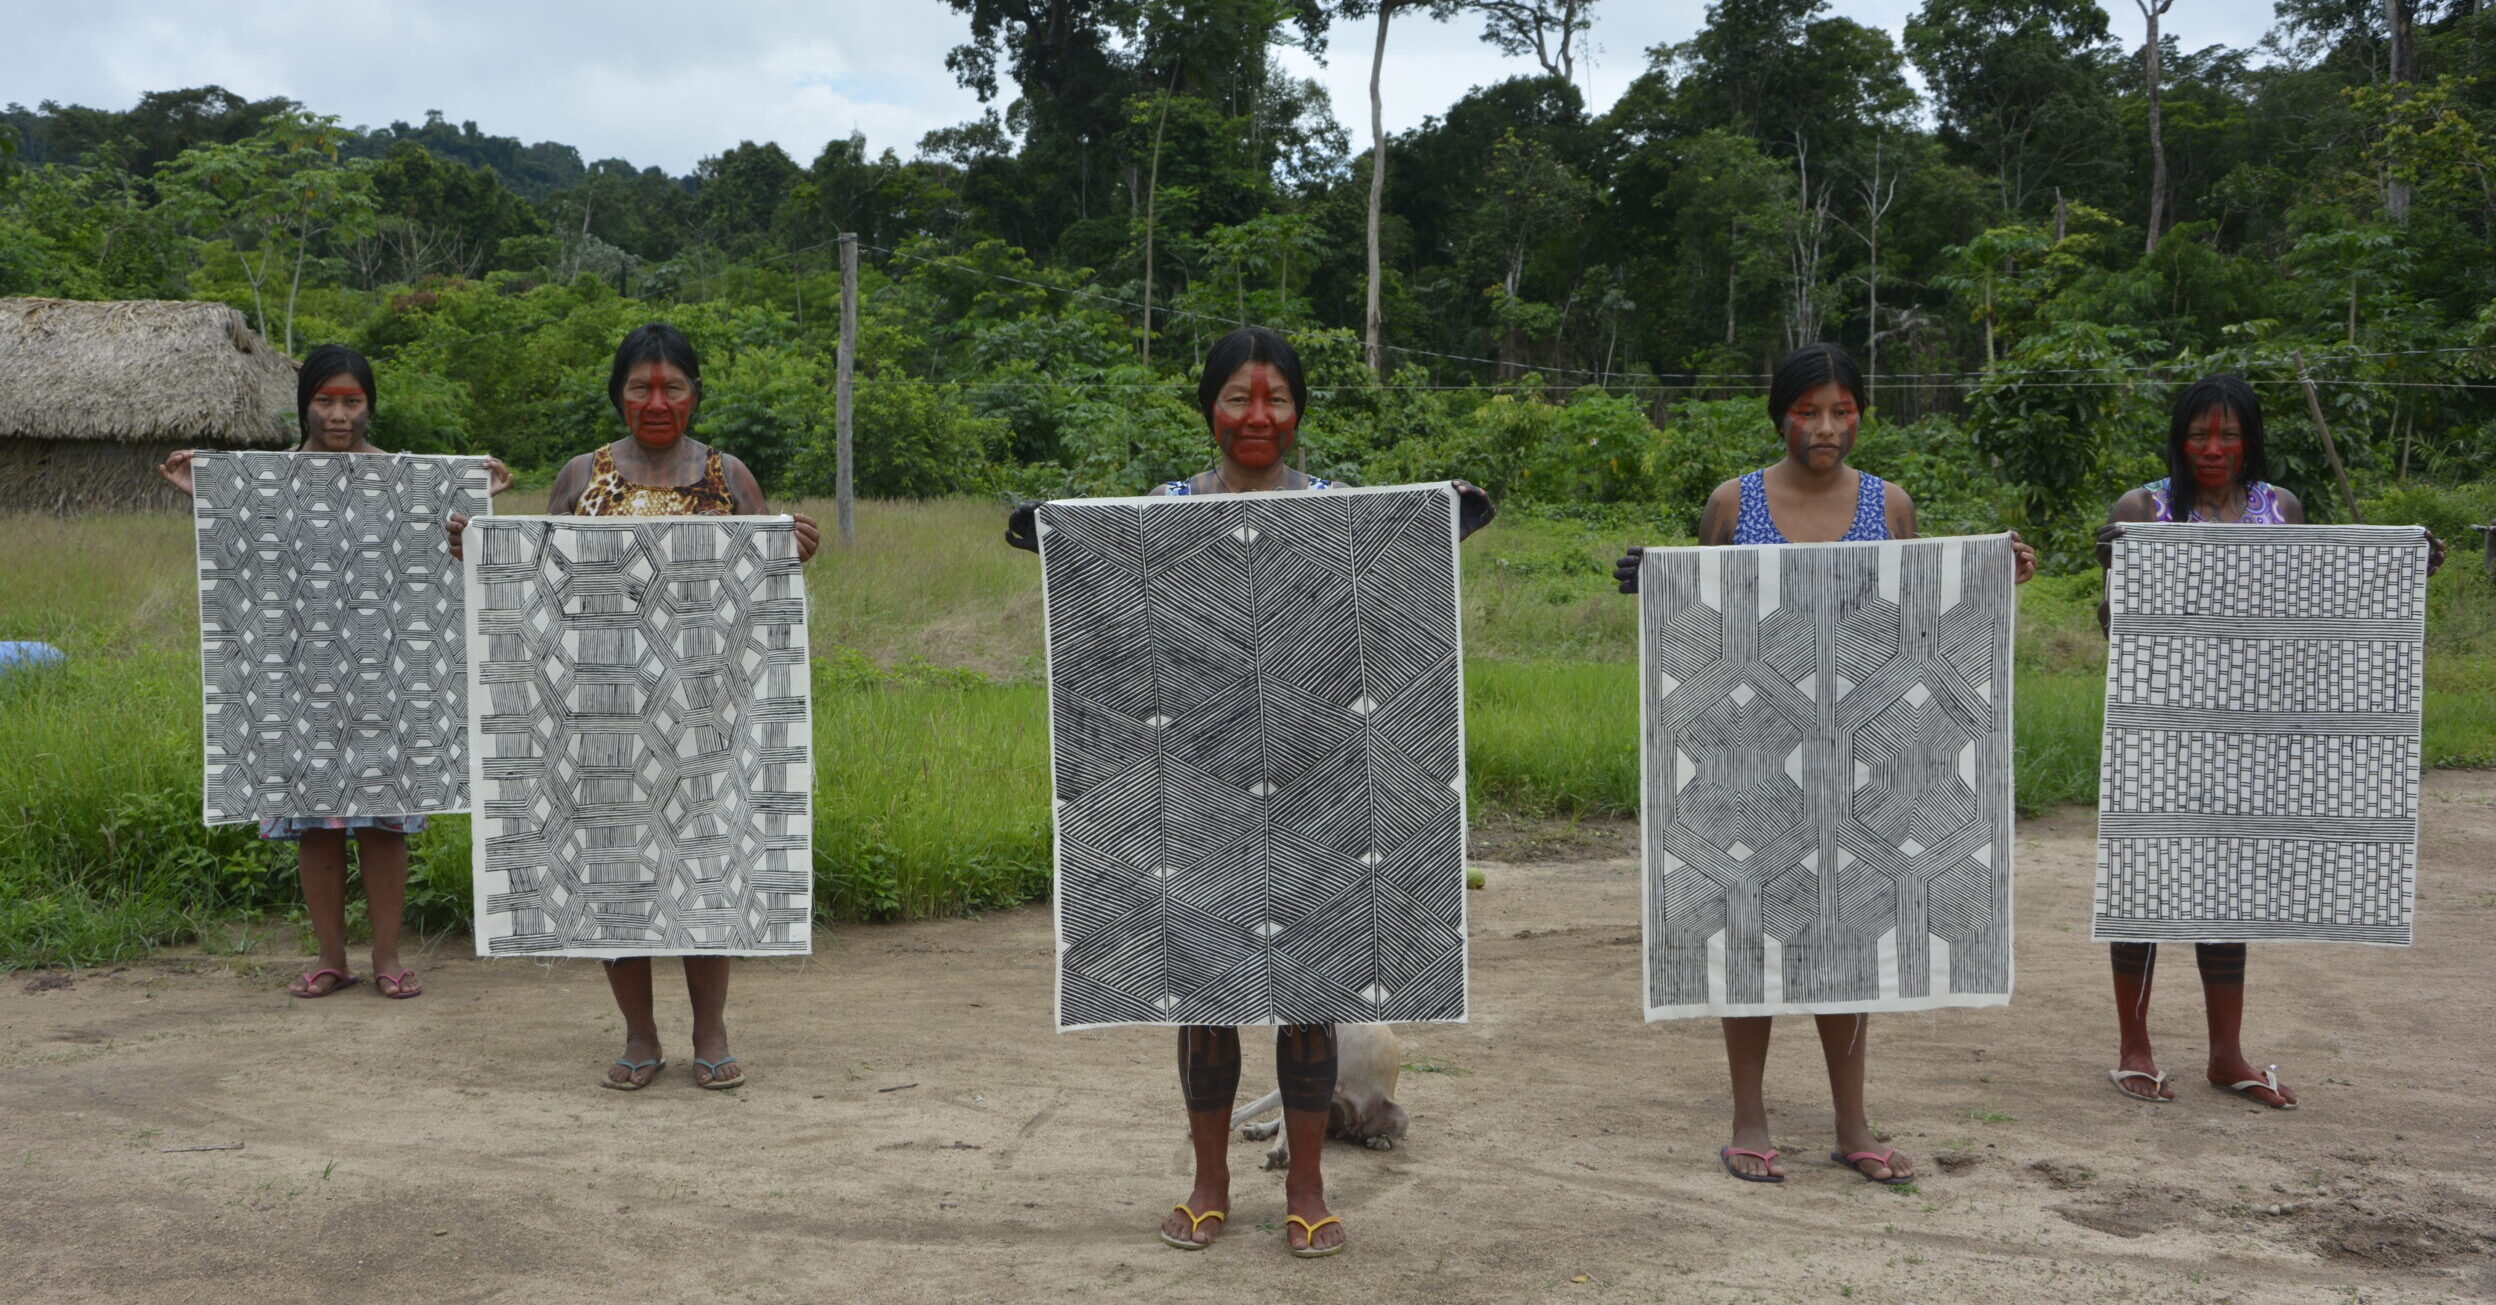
pixel 2264 687
pixel 1255 706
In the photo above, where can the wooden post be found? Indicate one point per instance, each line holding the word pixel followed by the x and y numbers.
pixel 841 402
pixel 2314 405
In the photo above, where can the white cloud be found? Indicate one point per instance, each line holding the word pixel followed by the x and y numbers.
pixel 669 83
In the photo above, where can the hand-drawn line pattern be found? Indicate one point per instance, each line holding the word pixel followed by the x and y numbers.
pixel 332 663
pixel 1827 761
pixel 1256 712
pixel 644 764
pixel 2264 689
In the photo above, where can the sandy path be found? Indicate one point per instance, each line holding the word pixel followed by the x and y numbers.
pixel 454 1148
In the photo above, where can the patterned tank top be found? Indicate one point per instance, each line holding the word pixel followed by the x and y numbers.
pixel 610 495
pixel 1755 526
pixel 1209 482
pixel 2261 504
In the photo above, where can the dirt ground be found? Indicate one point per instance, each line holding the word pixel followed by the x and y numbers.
pixel 913 1130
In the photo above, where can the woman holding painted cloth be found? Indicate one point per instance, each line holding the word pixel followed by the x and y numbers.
pixel 1252 393
pixel 1815 397
pixel 2216 464
pixel 659 470
pixel 334 401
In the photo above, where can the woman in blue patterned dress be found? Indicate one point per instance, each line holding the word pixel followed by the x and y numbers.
pixel 1253 393
pixel 334 396
pixel 2215 453
pixel 1815 397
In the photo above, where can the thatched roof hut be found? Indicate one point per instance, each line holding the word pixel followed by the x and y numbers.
pixel 94 395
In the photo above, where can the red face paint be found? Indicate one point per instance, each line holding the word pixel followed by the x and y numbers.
pixel 658 415
pixel 1257 429
pixel 2215 452
pixel 1820 427
pixel 340 414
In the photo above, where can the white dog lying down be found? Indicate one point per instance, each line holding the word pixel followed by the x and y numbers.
pixel 1368 1059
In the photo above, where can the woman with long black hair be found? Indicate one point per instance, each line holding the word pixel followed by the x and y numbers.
pixel 2217 471
pixel 335 396
pixel 1815 397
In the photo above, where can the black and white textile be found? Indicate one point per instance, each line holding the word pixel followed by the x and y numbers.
pixel 2264 688
pixel 1827 758
pixel 332 663
pixel 643 762
pixel 1257 732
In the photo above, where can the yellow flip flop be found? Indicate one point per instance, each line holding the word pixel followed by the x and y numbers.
pixel 1307 1250
pixel 1194 1222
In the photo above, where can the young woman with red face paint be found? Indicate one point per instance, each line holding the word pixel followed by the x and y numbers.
pixel 1815 397
pixel 2215 470
pixel 334 394
pixel 1253 393
pixel 658 470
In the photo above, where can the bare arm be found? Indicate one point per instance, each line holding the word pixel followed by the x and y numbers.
pixel 748 493
pixel 1898 510
pixel 2135 505
pixel 1722 513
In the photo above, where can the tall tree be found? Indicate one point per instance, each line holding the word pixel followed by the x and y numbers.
pixel 2151 10
pixel 2019 85
pixel 2401 46
pixel 1549 30
pixel 1385 10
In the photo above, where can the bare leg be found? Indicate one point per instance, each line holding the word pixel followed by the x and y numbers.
pixel 382 855
pixel 1305 1062
pixel 1209 1081
pixel 629 980
pixel 322 859
pixel 706 982
pixel 1746 1053
pixel 1843 1040
pixel 2223 994
pixel 2135 965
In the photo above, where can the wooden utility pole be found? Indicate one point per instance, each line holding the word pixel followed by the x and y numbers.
pixel 2314 405
pixel 841 401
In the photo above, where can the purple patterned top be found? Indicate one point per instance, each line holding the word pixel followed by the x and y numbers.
pixel 1755 526
pixel 2261 504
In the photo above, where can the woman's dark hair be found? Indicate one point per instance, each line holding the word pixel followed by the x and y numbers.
pixel 2231 395
pixel 1807 369
pixel 318 366
pixel 653 343
pixel 1249 344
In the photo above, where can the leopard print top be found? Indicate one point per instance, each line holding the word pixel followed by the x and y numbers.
pixel 608 494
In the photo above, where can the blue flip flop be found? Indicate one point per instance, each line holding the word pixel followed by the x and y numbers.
pixel 635 1067
pixel 716 1083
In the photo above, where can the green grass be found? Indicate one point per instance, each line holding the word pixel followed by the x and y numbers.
pixel 931 733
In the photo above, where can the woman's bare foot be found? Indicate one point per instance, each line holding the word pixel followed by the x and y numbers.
pixel 1754 1139
pixel 1211 1193
pixel 1308 1201
pixel 637 1050
pixel 2240 1070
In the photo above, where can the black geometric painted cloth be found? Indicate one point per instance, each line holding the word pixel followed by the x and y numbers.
pixel 643 761
pixel 332 663
pixel 1256 723
pixel 1827 759
pixel 2264 688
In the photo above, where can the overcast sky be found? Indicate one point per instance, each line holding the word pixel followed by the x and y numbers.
pixel 668 83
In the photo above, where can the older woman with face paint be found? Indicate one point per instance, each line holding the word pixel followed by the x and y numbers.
pixel 2215 468
pixel 1815 397
pixel 334 396
pixel 1253 393
pixel 659 470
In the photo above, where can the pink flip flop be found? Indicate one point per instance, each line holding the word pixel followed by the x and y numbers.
pixel 1725 1155
pixel 310 977
pixel 402 984
pixel 1884 1158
